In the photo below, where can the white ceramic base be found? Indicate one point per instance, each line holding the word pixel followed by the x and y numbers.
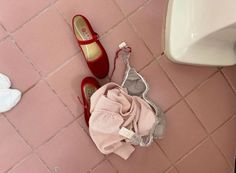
pixel 201 32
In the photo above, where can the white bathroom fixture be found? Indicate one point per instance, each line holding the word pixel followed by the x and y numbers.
pixel 201 32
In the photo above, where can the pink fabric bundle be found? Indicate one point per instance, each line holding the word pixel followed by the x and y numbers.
pixel 113 108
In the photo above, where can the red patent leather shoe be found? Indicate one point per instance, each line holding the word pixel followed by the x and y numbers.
pixel 94 53
pixel 88 86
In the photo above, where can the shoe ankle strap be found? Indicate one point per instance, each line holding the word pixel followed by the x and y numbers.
pixel 95 37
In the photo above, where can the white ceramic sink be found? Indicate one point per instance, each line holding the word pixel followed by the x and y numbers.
pixel 201 32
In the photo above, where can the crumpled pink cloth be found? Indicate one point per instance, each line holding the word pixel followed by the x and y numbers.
pixel 111 109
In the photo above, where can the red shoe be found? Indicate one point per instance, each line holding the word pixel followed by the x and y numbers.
pixel 94 53
pixel 88 86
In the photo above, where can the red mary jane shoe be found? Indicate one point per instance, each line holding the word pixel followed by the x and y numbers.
pixel 91 47
pixel 88 86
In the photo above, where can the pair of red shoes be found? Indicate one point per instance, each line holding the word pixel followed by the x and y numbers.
pixel 95 56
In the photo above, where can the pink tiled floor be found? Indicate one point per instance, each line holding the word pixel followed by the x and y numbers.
pixel 46 132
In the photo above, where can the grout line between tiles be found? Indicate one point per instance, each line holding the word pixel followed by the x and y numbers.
pixel 31 18
pixel 25 56
pixel 138 34
pixel 61 66
pixel 195 114
pixel 218 147
pixel 132 12
pixel 197 87
pixel 192 149
pixel 221 151
pixel 56 133
pixel 97 164
pixel 173 105
pixel 25 141
pixel 206 131
pixel 49 139
pixel 190 152
pixel 44 163
pixel 31 87
pixel 4 28
pixel 18 132
pixel 189 92
pixel 225 122
pixel 139 37
pixel 168 77
pixel 34 16
pixel 167 171
pixel 163 151
pixel 112 165
pixel 228 82
pixel 3 38
pixel 201 84
pixel 19 162
pixel 59 98
pixel 126 17
pixel 152 61
pixel 63 17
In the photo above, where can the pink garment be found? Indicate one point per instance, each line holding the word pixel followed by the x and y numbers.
pixel 111 109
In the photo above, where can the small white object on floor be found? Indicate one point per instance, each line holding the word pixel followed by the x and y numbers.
pixel 122 45
pixel 8 97
pixel 5 82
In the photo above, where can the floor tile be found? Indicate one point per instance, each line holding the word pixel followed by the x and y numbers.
pixel 149 22
pixel 12 146
pixel 48 46
pixel 83 124
pixel 16 66
pixel 104 167
pixel 2 32
pixel 101 14
pixel 14 13
pixel 161 89
pixel 183 130
pixel 225 138
pixel 185 77
pixel 150 160
pixel 39 115
pixel 129 6
pixel 140 54
pixel 230 73
pixel 31 164
pixel 71 151
pixel 214 102
pixel 172 170
pixel 205 159
pixel 66 82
